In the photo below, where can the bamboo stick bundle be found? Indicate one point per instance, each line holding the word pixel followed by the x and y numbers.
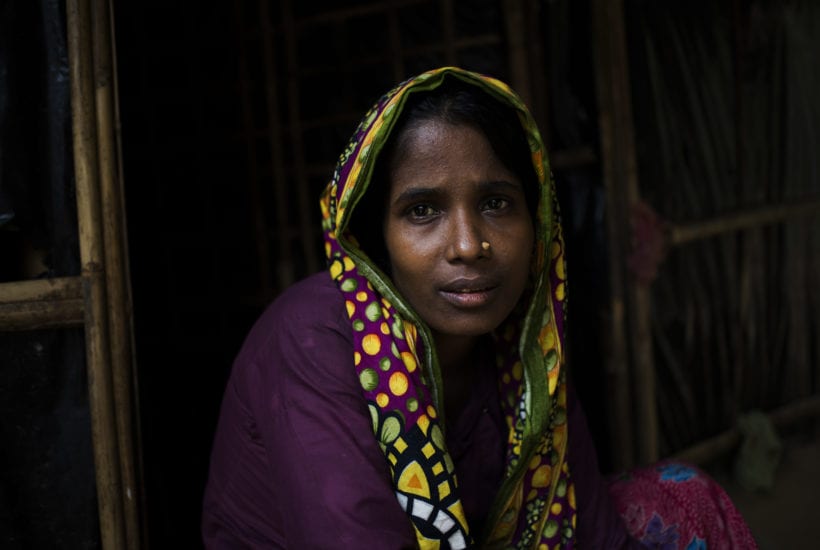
pixel 89 214
pixel 670 417
pixel 117 281
pixel 804 126
pixel 745 333
pixel 713 49
pixel 676 422
pixel 716 141
pixel 802 176
pixel 756 246
pixel 676 414
pixel 702 260
pixel 715 256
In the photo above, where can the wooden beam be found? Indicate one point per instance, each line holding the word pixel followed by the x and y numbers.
pixel 41 290
pixel 41 304
pixel 714 447
pixel 41 315
pixel 683 233
pixel 564 159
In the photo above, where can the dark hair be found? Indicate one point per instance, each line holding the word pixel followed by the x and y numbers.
pixel 458 103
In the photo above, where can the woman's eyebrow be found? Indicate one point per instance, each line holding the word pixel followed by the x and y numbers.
pixel 500 185
pixel 428 193
pixel 417 193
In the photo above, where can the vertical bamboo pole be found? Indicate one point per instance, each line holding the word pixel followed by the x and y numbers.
pixel 84 131
pixel 395 42
pixel 517 48
pixel 280 180
pixel 285 265
pixel 536 65
pixel 115 249
pixel 307 229
pixel 620 417
pixel 621 181
pixel 448 23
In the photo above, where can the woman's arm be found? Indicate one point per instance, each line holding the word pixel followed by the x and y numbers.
pixel 326 481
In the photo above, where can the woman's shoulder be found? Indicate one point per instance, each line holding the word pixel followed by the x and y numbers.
pixel 299 351
pixel 314 297
pixel 309 315
pixel 305 310
pixel 303 294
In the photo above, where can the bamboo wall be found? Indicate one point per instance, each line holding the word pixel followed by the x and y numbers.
pixel 307 73
pixel 235 115
pixel 702 343
pixel 727 121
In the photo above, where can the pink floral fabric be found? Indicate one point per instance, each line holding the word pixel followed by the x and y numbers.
pixel 672 506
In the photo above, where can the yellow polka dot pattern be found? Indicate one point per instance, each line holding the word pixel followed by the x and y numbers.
pixel 377 330
pixel 371 344
pixel 398 383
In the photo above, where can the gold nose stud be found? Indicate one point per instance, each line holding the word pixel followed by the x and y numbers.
pixel 485 245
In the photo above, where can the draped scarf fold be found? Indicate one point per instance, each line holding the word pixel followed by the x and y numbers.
pixel 398 370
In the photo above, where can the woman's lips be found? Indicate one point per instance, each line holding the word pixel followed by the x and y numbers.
pixel 469 296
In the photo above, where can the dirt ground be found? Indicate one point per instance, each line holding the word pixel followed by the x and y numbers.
pixel 787 518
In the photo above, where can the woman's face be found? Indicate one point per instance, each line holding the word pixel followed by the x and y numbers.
pixel 448 195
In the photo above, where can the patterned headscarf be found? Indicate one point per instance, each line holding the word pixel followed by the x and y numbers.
pixel 400 378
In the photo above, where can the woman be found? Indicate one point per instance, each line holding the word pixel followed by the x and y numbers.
pixel 417 396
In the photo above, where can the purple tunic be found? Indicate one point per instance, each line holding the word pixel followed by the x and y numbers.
pixel 295 463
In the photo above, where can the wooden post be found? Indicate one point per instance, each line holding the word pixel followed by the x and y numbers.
pixel 100 394
pixel 116 264
pixel 395 43
pixel 307 225
pixel 279 179
pixel 284 275
pixel 525 58
pixel 517 48
pixel 448 24
pixel 630 301
pixel 103 258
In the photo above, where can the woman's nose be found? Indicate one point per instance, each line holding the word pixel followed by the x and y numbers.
pixel 465 239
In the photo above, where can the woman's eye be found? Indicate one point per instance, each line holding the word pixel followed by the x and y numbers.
pixel 422 211
pixel 495 204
